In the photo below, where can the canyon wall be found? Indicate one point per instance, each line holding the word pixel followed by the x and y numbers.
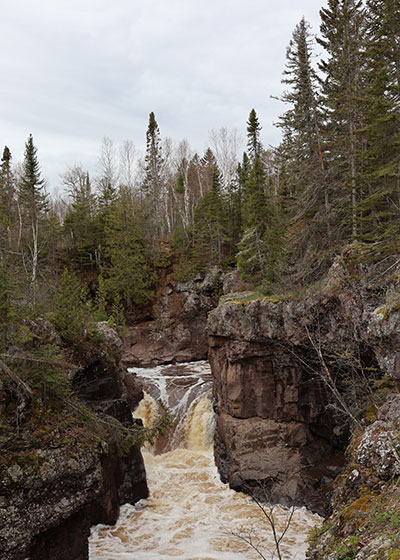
pixel 175 327
pixel 62 476
pixel 279 424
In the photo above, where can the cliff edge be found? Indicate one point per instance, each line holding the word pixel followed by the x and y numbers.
pixel 293 377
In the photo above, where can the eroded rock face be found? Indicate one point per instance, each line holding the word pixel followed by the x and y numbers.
pixel 176 332
pixel 273 424
pixel 379 449
pixel 49 500
pixel 278 421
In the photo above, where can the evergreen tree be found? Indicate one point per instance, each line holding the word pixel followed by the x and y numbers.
pixel 32 186
pixel 7 201
pixel 252 249
pixel 255 211
pixel 152 186
pixel 342 29
pixel 33 204
pixel 127 275
pixel 82 223
pixel 253 136
pixel 381 157
pixel 209 229
pixel 7 307
pixel 69 308
pixel 304 190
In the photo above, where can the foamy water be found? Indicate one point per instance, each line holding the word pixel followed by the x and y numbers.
pixel 190 514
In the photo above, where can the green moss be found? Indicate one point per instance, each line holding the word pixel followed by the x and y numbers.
pixel 359 507
pixel 384 311
pixel 316 532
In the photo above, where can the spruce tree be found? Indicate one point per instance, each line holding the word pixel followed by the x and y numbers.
pixel 32 186
pixel 381 105
pixel 255 210
pixel 7 201
pixel 304 189
pixel 342 29
pixel 152 187
pixel 253 136
pixel 33 203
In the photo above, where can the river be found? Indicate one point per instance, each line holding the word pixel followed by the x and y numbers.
pixel 191 514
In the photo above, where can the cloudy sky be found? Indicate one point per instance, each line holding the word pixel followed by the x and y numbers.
pixel 73 71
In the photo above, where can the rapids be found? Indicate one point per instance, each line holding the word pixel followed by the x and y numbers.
pixel 190 514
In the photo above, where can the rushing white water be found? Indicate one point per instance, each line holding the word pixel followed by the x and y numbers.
pixel 190 514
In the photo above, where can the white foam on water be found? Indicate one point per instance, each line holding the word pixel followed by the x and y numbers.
pixel 191 514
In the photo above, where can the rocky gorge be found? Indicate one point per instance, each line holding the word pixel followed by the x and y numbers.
pixel 305 393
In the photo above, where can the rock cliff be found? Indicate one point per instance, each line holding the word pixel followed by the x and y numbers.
pixel 365 521
pixel 276 363
pixel 175 327
pixel 60 472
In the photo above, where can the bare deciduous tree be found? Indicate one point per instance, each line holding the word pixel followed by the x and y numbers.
pixel 252 538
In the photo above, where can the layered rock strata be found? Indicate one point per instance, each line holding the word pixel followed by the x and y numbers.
pixel 279 424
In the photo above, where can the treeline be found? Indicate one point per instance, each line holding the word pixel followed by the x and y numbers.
pixel 280 214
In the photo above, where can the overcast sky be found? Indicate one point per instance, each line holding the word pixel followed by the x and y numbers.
pixel 73 71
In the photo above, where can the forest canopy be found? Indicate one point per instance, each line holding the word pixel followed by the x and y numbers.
pixel 280 214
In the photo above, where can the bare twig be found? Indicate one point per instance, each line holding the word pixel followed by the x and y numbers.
pixel 268 511
pixel 328 380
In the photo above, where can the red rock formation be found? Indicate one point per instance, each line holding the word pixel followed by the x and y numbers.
pixel 176 331
pixel 278 422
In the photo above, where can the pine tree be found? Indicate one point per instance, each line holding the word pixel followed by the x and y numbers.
pixel 253 136
pixel 252 249
pixel 32 186
pixel 153 183
pixel 304 189
pixel 8 212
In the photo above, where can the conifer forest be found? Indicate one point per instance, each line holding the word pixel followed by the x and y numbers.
pixel 279 214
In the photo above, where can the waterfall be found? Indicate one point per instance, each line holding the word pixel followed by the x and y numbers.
pixel 190 514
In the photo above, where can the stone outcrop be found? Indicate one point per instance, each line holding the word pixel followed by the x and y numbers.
pixel 175 329
pixel 66 475
pixel 366 514
pixel 278 422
